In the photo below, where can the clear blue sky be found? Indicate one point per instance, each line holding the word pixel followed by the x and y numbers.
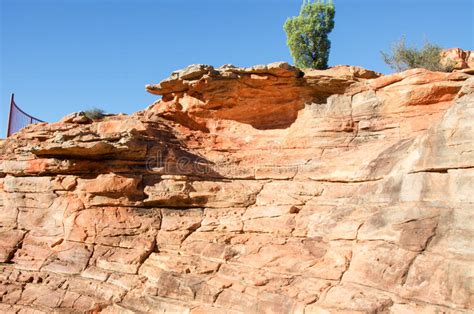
pixel 61 56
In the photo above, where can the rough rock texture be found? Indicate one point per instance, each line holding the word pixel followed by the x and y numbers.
pixel 256 190
pixel 462 59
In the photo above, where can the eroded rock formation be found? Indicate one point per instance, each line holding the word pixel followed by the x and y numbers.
pixel 460 59
pixel 257 190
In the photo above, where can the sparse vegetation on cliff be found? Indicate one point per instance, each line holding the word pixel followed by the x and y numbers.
pixel 307 34
pixel 95 114
pixel 402 58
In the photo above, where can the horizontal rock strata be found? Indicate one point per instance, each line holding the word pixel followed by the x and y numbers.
pixel 248 190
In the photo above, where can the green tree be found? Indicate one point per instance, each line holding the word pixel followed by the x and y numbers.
pixel 307 34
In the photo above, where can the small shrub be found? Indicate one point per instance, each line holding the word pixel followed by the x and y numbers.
pixel 402 58
pixel 307 34
pixel 95 114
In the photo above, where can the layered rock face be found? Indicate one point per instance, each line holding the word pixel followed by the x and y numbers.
pixel 249 190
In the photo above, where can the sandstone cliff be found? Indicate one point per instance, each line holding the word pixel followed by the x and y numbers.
pixel 256 190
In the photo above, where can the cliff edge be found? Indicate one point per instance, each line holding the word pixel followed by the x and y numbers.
pixel 267 189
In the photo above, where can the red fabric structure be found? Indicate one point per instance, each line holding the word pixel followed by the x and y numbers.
pixel 18 119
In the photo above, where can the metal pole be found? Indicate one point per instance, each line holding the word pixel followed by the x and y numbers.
pixel 10 114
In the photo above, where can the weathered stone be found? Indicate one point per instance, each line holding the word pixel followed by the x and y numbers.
pixel 109 184
pixel 436 280
pixel 410 228
pixel 265 189
pixel 159 263
pixel 11 240
pixel 222 219
pixel 193 72
pixel 120 259
pixel 457 58
pixel 379 264
pixel 76 117
pixel 349 299
pixel 68 258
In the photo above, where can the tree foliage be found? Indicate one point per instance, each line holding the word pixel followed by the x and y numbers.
pixel 307 34
pixel 402 58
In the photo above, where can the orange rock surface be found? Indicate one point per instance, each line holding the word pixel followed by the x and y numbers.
pixel 248 190
pixel 462 59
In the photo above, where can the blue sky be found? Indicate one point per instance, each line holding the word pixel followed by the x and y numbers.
pixel 61 56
